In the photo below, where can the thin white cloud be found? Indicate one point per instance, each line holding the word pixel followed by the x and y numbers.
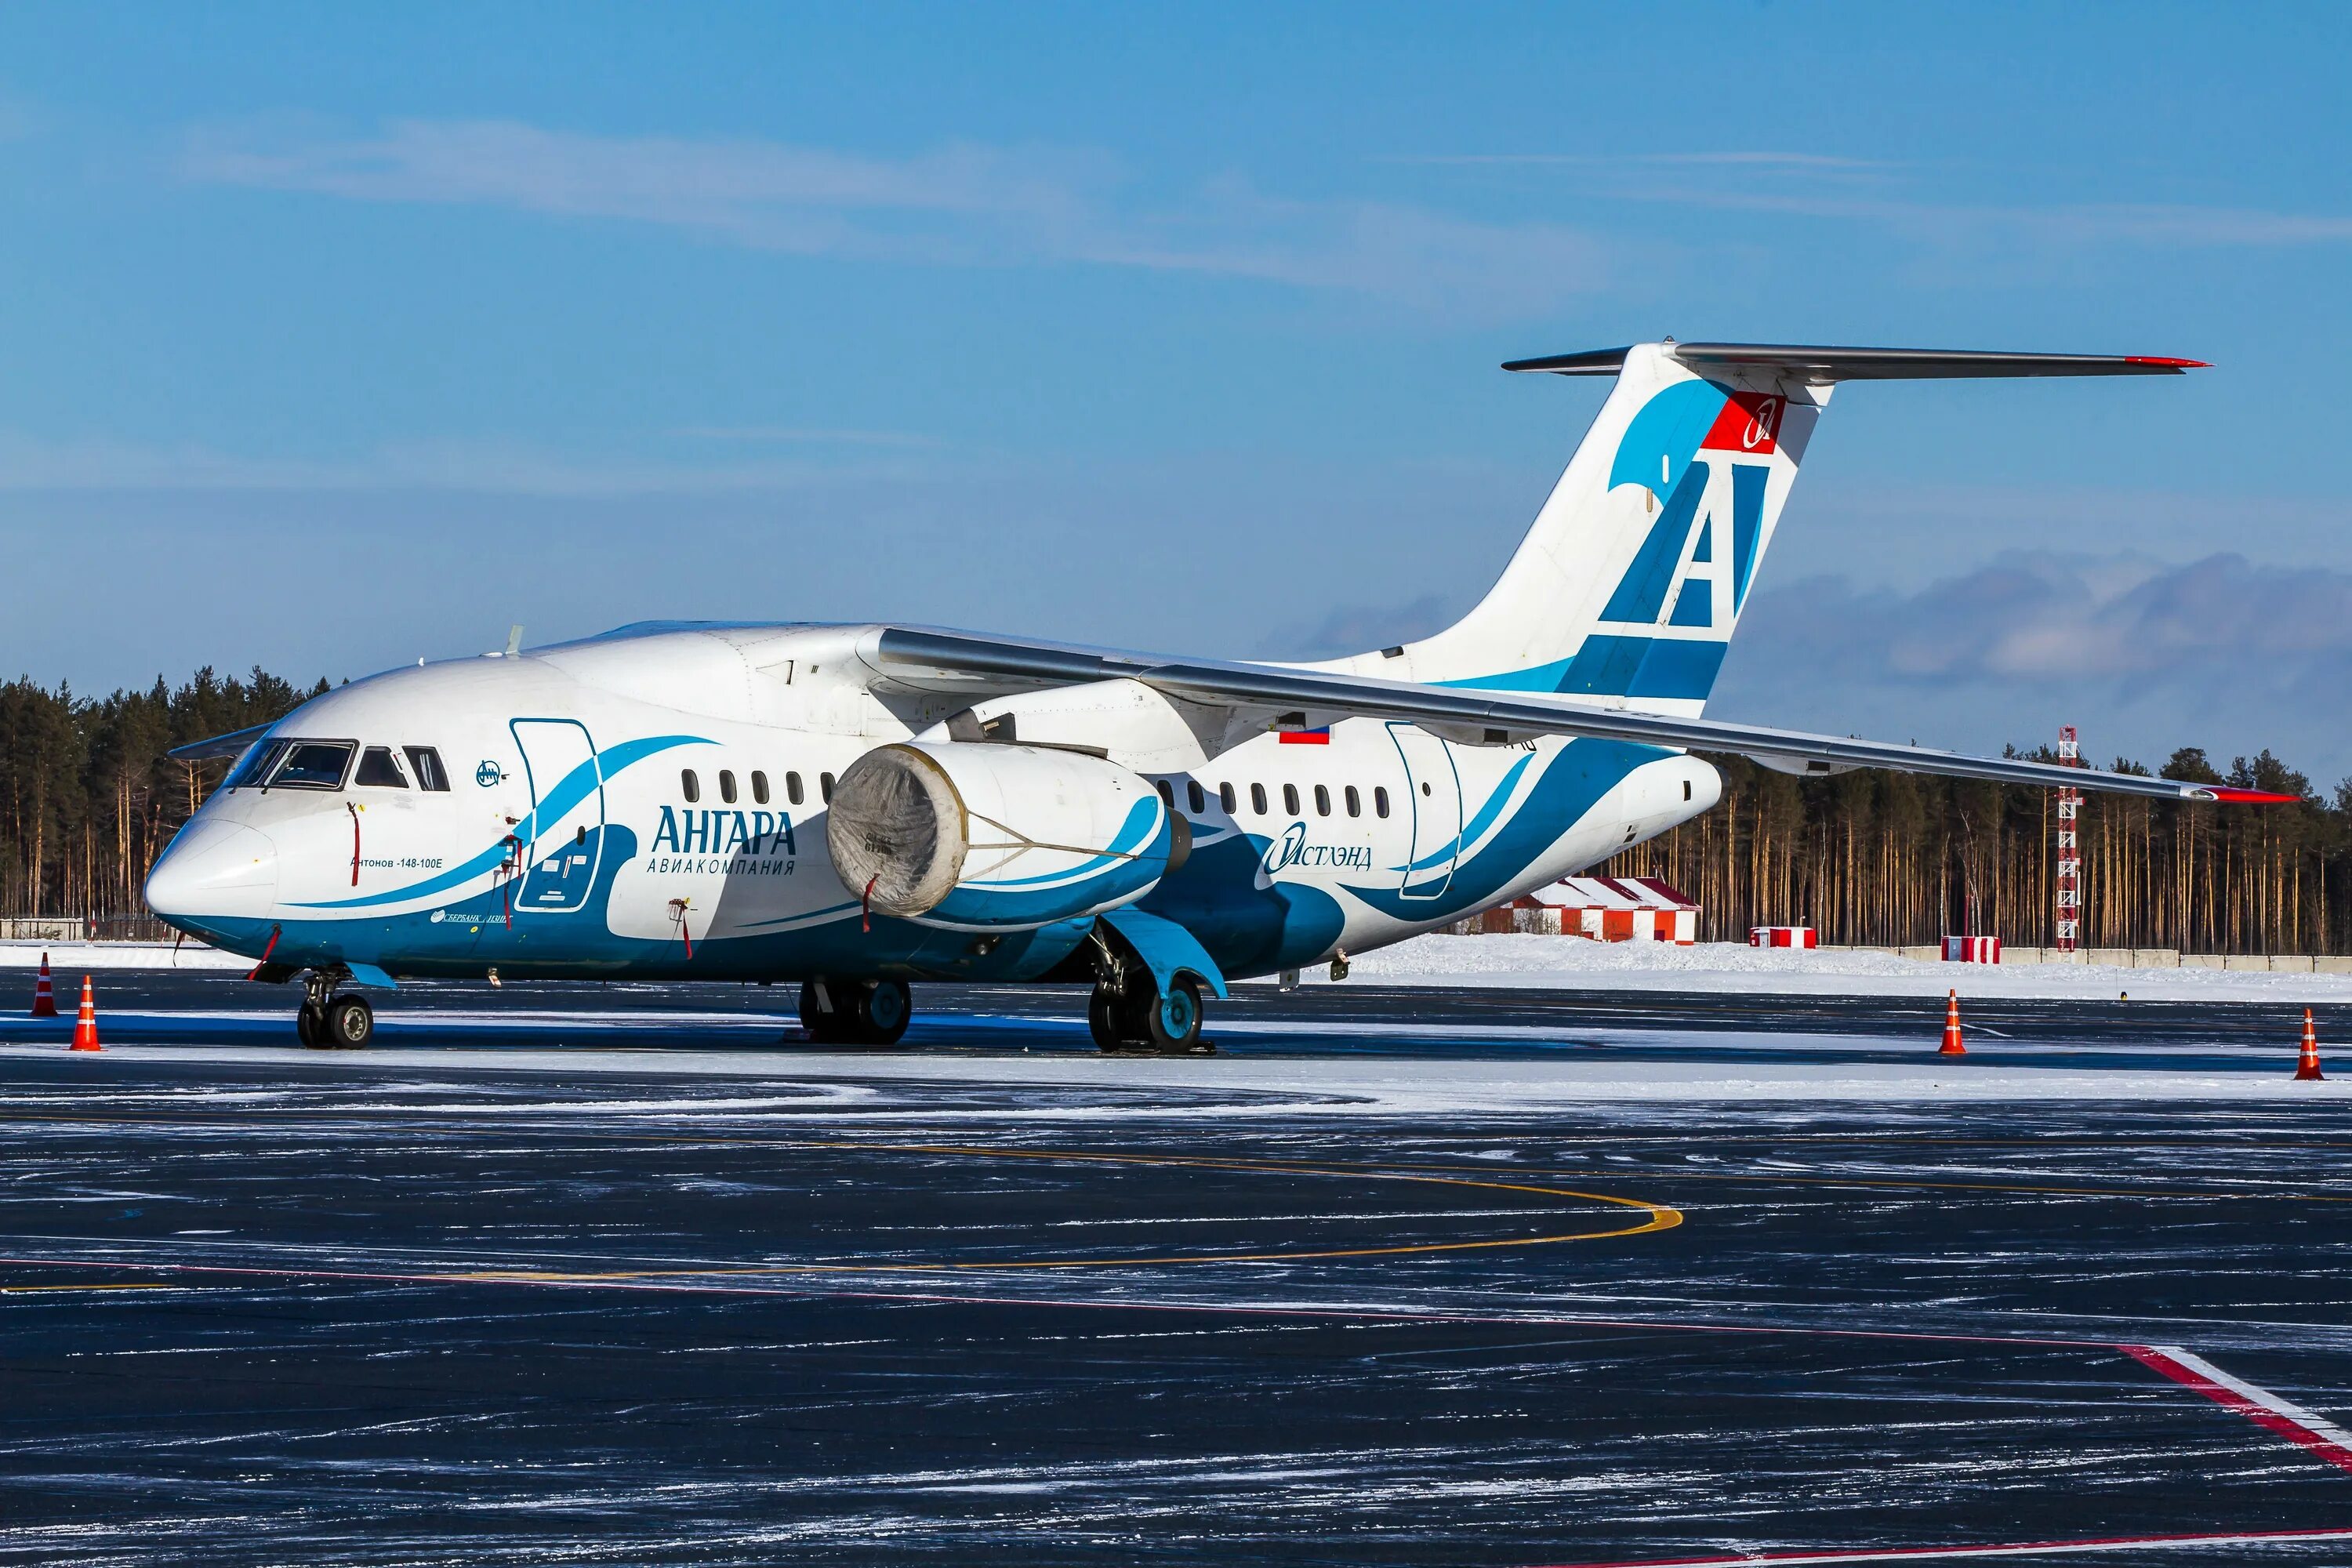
pixel 1825 186
pixel 803 435
pixel 485 467
pixel 2078 224
pixel 2221 652
pixel 2032 615
pixel 1745 159
pixel 958 205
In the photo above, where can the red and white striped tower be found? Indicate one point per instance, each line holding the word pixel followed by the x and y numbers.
pixel 2069 854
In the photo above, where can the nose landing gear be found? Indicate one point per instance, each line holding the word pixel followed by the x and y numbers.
pixel 330 1023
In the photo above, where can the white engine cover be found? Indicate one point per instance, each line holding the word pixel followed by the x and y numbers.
pixel 977 835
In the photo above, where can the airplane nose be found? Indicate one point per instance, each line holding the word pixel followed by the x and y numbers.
pixel 218 869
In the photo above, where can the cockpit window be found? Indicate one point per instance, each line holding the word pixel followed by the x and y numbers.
pixel 428 764
pixel 378 770
pixel 255 765
pixel 313 765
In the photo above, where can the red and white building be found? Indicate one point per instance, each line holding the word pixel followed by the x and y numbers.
pixel 1615 908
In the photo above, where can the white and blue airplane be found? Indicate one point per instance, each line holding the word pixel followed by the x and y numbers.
pixel 852 807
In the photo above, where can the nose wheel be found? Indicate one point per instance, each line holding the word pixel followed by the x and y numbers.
pixel 328 1023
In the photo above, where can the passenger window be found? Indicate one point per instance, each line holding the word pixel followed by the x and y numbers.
pixel 1322 801
pixel 727 785
pixel 824 788
pixel 1290 799
pixel 314 764
pixel 1226 798
pixel 1199 802
pixel 427 763
pixel 793 788
pixel 1257 799
pixel 378 770
pixel 690 785
pixel 1379 801
pixel 1167 795
pixel 759 787
pixel 1355 802
pixel 260 758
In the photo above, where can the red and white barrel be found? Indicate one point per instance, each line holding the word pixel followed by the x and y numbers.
pixel 1972 949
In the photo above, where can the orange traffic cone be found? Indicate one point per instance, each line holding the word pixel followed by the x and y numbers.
pixel 1952 1047
pixel 86 1023
pixel 2307 1069
pixel 45 1000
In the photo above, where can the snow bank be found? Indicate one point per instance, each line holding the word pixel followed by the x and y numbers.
pixel 81 956
pixel 1575 961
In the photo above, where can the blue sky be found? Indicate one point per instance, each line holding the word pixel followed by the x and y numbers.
pixel 332 337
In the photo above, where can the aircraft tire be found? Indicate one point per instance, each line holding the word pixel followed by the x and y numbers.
pixel 881 1013
pixel 310 1026
pixel 348 1025
pixel 826 1028
pixel 1169 1024
pixel 1105 1020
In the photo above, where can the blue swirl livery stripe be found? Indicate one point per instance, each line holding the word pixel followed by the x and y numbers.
pixel 570 790
pixel 1478 824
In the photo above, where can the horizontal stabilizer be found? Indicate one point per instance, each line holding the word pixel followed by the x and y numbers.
pixel 1816 363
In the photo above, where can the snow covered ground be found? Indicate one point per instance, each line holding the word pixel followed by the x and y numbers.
pixel 86 956
pixel 1557 960
pixel 1567 961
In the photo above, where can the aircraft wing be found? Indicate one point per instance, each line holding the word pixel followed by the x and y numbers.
pixel 1302 698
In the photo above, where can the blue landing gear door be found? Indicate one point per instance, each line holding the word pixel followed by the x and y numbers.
pixel 567 816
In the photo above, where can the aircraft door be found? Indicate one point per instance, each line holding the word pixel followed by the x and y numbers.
pixel 1434 789
pixel 567 816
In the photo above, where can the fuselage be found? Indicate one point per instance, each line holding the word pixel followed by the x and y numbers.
pixel 651 803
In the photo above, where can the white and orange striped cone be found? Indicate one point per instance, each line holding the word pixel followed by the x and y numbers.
pixel 86 1023
pixel 45 997
pixel 2306 1070
pixel 1952 1047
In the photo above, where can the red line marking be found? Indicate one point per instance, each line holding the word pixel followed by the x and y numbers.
pixel 2006 1549
pixel 2286 1427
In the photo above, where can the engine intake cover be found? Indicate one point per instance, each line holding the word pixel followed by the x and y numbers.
pixel 976 835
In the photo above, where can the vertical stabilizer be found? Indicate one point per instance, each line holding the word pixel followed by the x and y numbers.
pixel 1628 587
pixel 1630 583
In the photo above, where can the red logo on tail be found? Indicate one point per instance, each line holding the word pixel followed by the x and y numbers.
pixel 1750 422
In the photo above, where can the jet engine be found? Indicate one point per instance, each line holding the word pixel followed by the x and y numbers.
pixel 983 836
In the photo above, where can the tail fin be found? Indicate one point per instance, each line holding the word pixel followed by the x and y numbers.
pixel 1628 587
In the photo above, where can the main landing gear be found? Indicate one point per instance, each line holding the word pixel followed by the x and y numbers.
pixel 855 1012
pixel 330 1023
pixel 1156 1023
